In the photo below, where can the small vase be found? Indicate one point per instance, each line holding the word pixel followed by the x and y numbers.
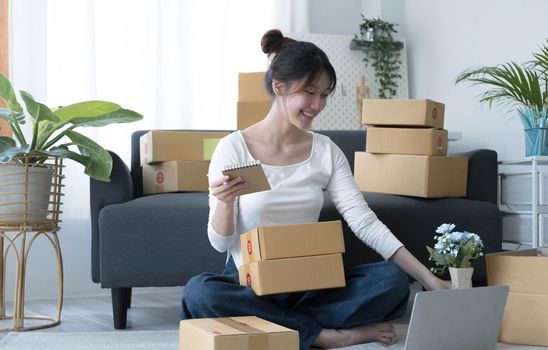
pixel 461 278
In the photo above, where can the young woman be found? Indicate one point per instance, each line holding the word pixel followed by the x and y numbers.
pixel 300 165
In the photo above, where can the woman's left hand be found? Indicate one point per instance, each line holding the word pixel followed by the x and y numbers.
pixel 435 283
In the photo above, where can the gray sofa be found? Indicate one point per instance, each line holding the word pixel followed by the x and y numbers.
pixel 161 240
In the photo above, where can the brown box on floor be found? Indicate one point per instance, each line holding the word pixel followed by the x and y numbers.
pixel 286 241
pixel 175 176
pixel 404 112
pixel 419 141
pixel 293 274
pixel 161 145
pixel 525 272
pixel 235 333
pixel 411 175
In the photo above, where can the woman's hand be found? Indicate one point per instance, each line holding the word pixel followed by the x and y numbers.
pixel 226 189
pixel 435 283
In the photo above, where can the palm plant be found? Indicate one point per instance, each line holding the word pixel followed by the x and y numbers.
pixel 523 86
pixel 53 131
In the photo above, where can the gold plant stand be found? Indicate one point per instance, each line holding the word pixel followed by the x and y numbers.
pixel 30 202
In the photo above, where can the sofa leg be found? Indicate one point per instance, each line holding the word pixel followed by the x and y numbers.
pixel 120 303
pixel 128 297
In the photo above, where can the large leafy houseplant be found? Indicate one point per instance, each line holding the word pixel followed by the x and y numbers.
pixel 524 86
pixel 53 130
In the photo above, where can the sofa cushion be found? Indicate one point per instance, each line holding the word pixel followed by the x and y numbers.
pixel 165 232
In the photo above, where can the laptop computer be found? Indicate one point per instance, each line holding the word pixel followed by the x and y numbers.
pixel 457 319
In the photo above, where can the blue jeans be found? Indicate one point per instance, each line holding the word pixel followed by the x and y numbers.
pixel 373 293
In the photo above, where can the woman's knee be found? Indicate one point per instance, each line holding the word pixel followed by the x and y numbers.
pixel 197 290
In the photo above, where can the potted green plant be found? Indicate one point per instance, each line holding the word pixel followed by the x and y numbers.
pixel 53 130
pixel 27 177
pixel 382 52
pixel 520 86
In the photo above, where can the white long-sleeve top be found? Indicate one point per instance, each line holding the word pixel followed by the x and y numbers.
pixel 296 196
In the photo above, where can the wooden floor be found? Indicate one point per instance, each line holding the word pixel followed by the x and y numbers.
pixel 151 309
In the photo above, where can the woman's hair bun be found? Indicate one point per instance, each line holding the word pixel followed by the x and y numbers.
pixel 273 40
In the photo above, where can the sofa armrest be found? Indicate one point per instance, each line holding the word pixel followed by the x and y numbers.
pixel 482 175
pixel 118 190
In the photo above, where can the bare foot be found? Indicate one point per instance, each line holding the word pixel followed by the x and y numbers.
pixel 338 338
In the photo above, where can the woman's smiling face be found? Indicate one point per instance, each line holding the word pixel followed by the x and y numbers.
pixel 302 103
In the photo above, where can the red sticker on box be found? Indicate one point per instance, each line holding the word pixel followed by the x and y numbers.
pixel 439 143
pixel 248 280
pixel 434 113
pixel 249 247
pixel 160 177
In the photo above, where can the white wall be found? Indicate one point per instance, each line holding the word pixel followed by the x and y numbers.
pixel 446 37
pixel 443 39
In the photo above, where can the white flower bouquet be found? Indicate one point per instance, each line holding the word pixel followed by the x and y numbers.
pixel 454 249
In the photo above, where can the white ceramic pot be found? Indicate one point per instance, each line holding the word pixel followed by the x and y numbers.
pixel 18 198
pixel 461 278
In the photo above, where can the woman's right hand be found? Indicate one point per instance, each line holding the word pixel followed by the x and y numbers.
pixel 226 189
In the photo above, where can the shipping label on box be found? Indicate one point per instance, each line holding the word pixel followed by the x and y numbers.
pixel 235 333
pixel 159 145
pixel 418 141
pixel 524 320
pixel 285 241
pixel 175 176
pixel 522 270
pixel 293 274
pixel 251 112
pixel 411 175
pixel 251 87
pixel 404 112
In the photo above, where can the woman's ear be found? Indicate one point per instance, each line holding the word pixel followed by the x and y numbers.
pixel 277 87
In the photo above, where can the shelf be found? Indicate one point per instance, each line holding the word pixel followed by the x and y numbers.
pixel 363 45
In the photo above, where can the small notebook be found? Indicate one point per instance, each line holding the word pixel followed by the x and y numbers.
pixel 250 172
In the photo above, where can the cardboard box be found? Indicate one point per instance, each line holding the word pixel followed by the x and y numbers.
pixel 405 112
pixel 251 87
pixel 235 333
pixel 293 274
pixel 160 145
pixel 524 271
pixel 175 176
pixel 428 142
pixel 524 320
pixel 286 241
pixel 251 112
pixel 411 175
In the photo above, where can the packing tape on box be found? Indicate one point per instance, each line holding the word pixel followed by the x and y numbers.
pixel 242 327
pixel 257 339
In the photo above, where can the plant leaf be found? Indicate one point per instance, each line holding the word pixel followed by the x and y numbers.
pixel 63 151
pixel 85 109
pixel 119 116
pixel 38 110
pixel 100 164
pixel 8 149
pixel 8 94
pixel 5 114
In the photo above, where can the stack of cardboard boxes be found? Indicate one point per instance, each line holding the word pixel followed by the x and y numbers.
pixel 253 100
pixel 291 258
pixel 406 151
pixel 525 272
pixel 175 161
